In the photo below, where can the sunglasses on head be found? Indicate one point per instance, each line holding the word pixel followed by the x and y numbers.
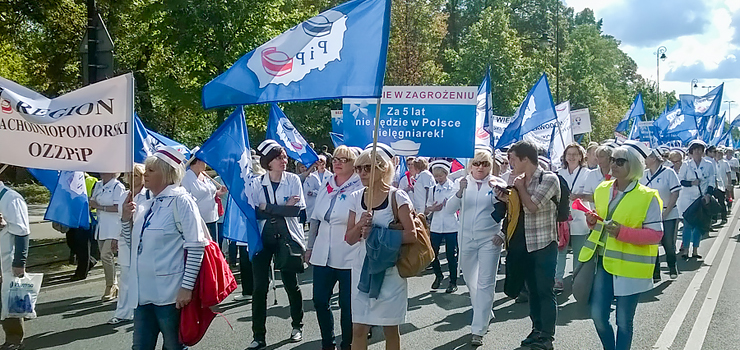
pixel 618 161
pixel 360 168
pixel 484 163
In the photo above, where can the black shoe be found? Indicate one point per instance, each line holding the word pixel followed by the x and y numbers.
pixel 451 288
pixel 522 298
pixel 75 278
pixel 696 256
pixel 673 273
pixel 656 278
pixel 437 282
pixel 257 345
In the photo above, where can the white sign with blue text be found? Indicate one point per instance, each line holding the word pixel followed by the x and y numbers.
pixel 430 121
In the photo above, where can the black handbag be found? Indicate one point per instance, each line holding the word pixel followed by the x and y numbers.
pixel 699 213
pixel 276 235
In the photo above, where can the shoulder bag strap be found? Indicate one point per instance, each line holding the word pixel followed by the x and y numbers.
pixel 394 207
pixel 575 178
pixel 3 192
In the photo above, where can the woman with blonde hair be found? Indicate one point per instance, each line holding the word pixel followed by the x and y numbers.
pixel 380 299
pixel 327 251
pixel 479 236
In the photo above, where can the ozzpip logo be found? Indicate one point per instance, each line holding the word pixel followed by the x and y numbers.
pixel 5 106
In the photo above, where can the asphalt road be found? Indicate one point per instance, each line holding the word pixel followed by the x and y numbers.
pixel 699 310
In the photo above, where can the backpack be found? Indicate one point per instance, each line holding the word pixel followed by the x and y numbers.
pixel 562 204
pixel 414 257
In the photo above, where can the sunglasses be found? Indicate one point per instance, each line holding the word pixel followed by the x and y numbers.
pixel 618 161
pixel 360 168
pixel 340 160
pixel 484 163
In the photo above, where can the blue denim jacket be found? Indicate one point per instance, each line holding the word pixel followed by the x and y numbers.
pixel 382 248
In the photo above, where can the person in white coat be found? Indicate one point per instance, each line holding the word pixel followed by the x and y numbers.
pixel 388 308
pixel 107 195
pixel 424 182
pixel 697 178
pixel 443 224
pixel 313 183
pixel 14 238
pixel 204 189
pixel 575 172
pixel 479 237
pixel 280 200
pixel 160 232
pixel 124 306
pixel 328 253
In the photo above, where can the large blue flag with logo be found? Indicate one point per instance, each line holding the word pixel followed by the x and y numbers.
pixel 702 106
pixel 339 53
pixel 537 109
pixel 636 109
pixel 280 129
pixel 146 142
pixel 69 205
pixel 48 178
pixel 674 121
pixel 336 139
pixel 227 152
pixel 718 129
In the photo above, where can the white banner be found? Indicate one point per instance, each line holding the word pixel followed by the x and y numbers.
pixel 542 135
pixel 498 125
pixel 581 121
pixel 89 129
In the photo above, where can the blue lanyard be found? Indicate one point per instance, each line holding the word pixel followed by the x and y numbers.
pixel 147 217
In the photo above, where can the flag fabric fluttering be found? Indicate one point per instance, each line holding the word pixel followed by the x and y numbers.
pixel 674 121
pixel 147 141
pixel 336 139
pixel 48 178
pixel 341 52
pixel 280 129
pixel 227 152
pixel 636 109
pixel 538 108
pixel 69 204
pixel 483 111
pixel 716 133
pixel 703 106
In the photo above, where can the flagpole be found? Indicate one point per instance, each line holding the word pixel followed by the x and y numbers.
pixel 373 155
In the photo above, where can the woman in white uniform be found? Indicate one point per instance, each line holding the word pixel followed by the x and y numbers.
pixel 162 279
pixel 107 195
pixel 204 190
pixel 663 179
pixel 443 225
pixel 479 237
pixel 389 308
pixel 327 251
pixel 574 172
pixel 124 306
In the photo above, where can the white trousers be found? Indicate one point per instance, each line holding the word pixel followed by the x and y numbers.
pixel 479 264
pixel 124 307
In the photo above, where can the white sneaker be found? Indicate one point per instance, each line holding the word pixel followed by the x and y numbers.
pixel 476 340
pixel 242 297
pixel 296 335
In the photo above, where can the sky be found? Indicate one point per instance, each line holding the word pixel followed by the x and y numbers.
pixel 701 38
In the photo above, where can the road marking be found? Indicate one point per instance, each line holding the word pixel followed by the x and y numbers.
pixel 682 309
pixel 701 325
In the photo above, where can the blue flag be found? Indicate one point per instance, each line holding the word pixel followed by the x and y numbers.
pixel 537 109
pixel 484 112
pixel 146 142
pixel 635 130
pixel 636 109
pixel 703 106
pixel 280 129
pixel 716 133
pixel 336 139
pixel 674 121
pixel 339 53
pixel 68 205
pixel 227 152
pixel 48 178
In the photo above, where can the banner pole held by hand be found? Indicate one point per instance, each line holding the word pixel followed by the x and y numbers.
pixel 373 156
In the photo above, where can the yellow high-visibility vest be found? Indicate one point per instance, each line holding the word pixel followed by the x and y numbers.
pixel 621 258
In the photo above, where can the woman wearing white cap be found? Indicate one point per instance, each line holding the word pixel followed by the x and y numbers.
pixel 159 232
pixel 107 195
pixel 479 237
pixel 327 250
pixel 624 244
pixel 664 180
pixel 697 179
pixel 204 190
pixel 385 302
pixel 574 172
pixel 280 200
pixel 443 225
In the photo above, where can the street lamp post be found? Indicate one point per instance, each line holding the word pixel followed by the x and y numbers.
pixel 659 56
pixel 708 87
pixel 694 85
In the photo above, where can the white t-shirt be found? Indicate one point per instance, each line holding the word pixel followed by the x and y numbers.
pixel 109 223
pixel 424 181
pixel 594 179
pixel 204 192
pixel 443 221
pixel 576 183
pixel 734 163
pixel 724 169
pixel 665 181
pixel 15 212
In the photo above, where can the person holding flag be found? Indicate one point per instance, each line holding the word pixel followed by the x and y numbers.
pixel 280 200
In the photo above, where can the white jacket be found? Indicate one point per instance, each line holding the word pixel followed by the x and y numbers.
pixel 204 193
pixel 290 185
pixel 443 221
pixel 15 212
pixel 109 223
pixel 475 215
